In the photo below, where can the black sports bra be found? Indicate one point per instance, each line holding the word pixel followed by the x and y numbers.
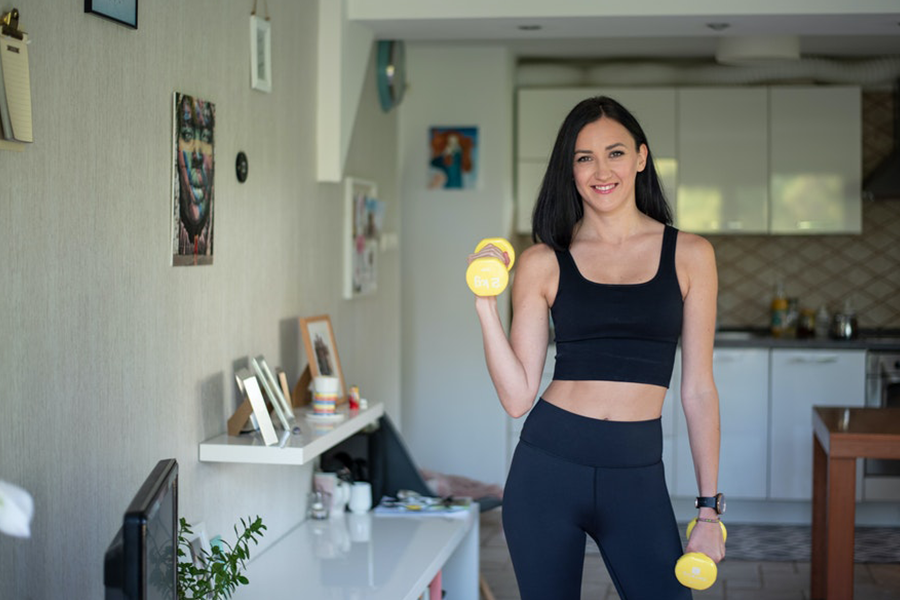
pixel 618 332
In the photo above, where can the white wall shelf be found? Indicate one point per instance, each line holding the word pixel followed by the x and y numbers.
pixel 315 437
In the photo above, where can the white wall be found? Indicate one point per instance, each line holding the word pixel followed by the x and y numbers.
pixel 110 359
pixel 452 419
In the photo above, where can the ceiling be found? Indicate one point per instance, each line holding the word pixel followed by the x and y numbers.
pixel 645 36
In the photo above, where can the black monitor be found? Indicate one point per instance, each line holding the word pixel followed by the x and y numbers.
pixel 140 563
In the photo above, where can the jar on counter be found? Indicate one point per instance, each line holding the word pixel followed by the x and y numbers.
pixel 823 321
pixel 806 326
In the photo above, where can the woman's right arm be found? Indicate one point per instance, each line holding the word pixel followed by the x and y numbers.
pixel 515 364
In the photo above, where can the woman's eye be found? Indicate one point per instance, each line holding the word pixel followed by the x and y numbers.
pixel 582 159
pixel 616 154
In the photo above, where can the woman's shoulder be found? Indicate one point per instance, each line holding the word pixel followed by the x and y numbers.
pixel 538 262
pixel 538 255
pixel 694 249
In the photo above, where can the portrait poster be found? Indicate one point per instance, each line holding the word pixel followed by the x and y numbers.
pixel 193 180
pixel 453 158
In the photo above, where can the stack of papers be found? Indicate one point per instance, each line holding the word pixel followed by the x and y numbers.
pixel 424 505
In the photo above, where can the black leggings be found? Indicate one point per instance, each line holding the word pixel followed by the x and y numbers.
pixel 573 475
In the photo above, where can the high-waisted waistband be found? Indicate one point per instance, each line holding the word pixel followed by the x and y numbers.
pixel 593 442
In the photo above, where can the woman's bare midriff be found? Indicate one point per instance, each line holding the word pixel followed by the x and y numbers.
pixel 608 400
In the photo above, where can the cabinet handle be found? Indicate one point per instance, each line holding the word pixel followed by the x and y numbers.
pixel 808 360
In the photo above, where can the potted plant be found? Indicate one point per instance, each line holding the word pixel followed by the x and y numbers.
pixel 215 574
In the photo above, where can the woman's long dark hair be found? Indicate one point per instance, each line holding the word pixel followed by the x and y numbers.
pixel 559 206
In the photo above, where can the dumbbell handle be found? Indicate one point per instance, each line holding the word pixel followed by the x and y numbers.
pixel 695 569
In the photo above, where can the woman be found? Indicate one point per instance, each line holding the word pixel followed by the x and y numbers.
pixel 622 286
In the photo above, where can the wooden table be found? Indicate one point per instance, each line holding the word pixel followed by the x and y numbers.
pixel 840 436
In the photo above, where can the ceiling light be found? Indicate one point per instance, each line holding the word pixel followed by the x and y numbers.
pixel 530 27
pixel 755 50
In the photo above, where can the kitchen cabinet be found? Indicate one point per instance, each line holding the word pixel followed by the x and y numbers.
pixel 742 379
pixel 815 154
pixel 723 171
pixel 732 160
pixel 540 113
pixel 671 412
pixel 801 379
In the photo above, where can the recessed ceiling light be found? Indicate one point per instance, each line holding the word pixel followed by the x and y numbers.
pixel 530 27
pixel 718 26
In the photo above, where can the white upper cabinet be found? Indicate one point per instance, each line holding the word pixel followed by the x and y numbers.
pixel 732 160
pixel 540 113
pixel 815 151
pixel 723 180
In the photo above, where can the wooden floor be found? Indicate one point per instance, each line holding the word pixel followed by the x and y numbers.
pixel 738 580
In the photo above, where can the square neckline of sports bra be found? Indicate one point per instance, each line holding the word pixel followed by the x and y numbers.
pixel 659 268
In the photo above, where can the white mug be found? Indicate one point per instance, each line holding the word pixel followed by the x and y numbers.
pixel 324 384
pixel 360 497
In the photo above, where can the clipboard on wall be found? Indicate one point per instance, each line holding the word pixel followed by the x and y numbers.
pixel 15 81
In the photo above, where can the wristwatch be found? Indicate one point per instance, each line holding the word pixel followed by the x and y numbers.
pixel 716 502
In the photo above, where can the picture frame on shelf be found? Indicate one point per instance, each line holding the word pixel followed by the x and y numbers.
pixel 251 388
pixel 123 12
pixel 270 394
pixel 363 223
pixel 260 54
pixel 321 350
pixel 273 382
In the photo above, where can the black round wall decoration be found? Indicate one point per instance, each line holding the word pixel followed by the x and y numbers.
pixel 241 167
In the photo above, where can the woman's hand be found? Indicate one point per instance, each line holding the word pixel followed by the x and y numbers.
pixel 707 539
pixel 490 250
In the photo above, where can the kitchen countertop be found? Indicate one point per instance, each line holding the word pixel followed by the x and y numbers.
pixel 760 338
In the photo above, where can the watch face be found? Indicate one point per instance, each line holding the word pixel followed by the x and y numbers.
pixel 720 503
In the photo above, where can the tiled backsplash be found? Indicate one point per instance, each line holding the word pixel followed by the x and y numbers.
pixel 822 269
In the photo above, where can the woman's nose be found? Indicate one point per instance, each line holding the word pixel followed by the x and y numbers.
pixel 601 169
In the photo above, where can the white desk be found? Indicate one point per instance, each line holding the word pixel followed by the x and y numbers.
pixel 335 559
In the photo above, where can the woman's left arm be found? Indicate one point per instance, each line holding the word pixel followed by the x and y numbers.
pixel 696 264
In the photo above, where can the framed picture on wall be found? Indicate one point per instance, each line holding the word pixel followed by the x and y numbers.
pixel 260 54
pixel 321 349
pixel 453 158
pixel 124 12
pixel 363 222
pixel 193 180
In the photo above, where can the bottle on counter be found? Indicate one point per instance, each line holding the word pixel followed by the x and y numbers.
pixel 779 311
pixel 806 326
pixel 823 322
pixel 792 318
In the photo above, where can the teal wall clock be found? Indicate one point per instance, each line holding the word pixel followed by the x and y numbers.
pixel 391 68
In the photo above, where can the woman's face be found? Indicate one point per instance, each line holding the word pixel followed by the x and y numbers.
pixel 606 164
pixel 195 161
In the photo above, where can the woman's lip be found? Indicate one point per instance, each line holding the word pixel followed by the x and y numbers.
pixel 605 189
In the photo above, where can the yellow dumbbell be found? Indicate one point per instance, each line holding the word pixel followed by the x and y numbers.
pixel 488 275
pixel 696 570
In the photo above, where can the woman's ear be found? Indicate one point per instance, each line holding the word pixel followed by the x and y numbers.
pixel 642 161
